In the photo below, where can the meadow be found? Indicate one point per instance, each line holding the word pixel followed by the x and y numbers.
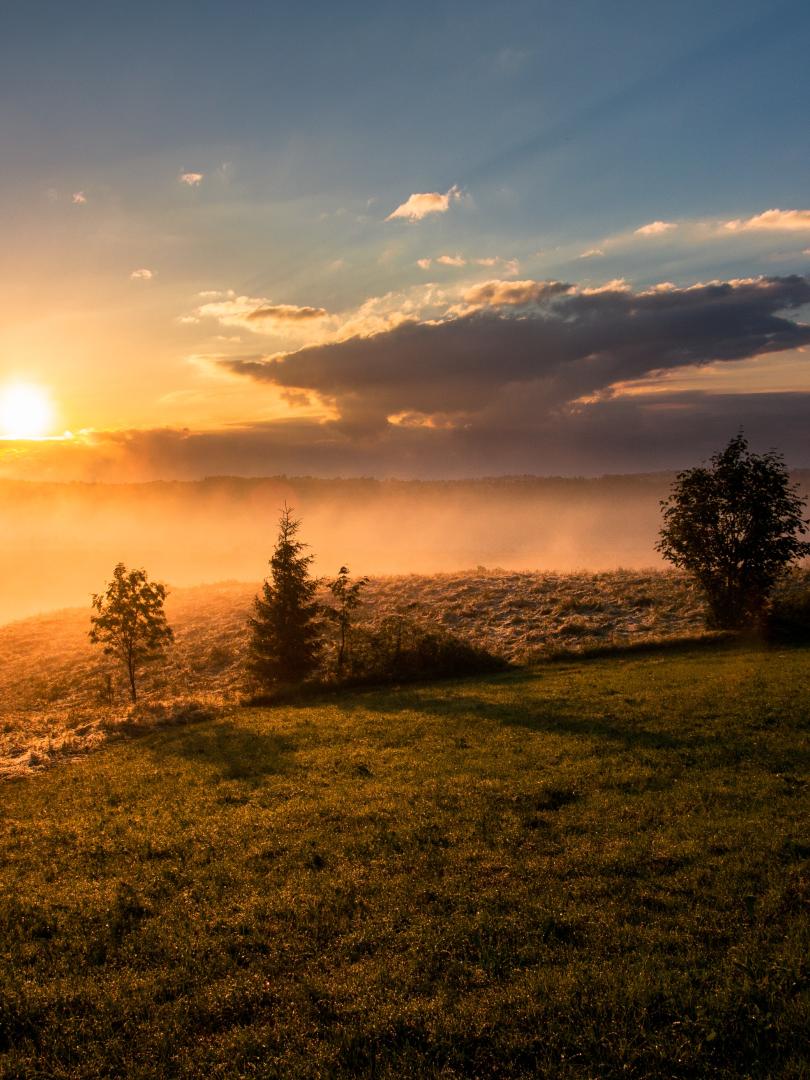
pixel 585 868
pixel 60 696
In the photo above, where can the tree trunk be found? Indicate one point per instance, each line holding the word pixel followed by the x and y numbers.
pixel 131 673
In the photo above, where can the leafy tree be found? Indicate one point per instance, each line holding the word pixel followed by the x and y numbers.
pixel 285 640
pixel 735 525
pixel 130 621
pixel 347 596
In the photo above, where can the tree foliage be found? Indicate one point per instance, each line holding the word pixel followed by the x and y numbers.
pixel 346 594
pixel 735 525
pixel 285 642
pixel 130 621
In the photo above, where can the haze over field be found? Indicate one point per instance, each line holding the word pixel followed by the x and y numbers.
pixel 60 542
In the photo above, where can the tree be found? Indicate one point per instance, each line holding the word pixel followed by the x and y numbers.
pixel 130 621
pixel 285 639
pixel 347 596
pixel 735 525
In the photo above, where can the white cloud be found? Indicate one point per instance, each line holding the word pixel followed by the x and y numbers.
pixel 655 228
pixel 772 220
pixel 424 263
pixel 451 260
pixel 142 275
pixel 191 179
pixel 79 198
pixel 592 253
pixel 420 204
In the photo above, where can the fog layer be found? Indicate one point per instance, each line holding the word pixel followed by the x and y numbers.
pixel 59 542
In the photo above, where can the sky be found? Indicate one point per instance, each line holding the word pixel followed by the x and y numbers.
pixel 424 240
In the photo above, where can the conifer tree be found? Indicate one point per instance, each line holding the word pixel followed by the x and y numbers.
pixel 285 641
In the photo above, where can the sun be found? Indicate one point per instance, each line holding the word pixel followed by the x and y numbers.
pixel 26 411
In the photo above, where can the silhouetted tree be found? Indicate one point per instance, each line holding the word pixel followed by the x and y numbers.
pixel 735 525
pixel 285 626
pixel 130 621
pixel 347 596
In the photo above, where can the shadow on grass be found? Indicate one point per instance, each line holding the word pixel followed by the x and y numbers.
pixel 552 716
pixel 707 641
pixel 237 753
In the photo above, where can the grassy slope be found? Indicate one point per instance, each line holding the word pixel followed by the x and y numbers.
pixel 52 700
pixel 591 869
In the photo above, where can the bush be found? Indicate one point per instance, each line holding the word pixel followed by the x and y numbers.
pixel 403 650
pixel 789 616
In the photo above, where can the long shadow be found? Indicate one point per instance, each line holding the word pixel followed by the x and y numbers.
pixel 553 716
pixel 237 753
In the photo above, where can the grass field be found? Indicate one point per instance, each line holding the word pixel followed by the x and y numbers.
pixel 54 699
pixel 594 868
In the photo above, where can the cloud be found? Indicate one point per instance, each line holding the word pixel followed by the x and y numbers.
pixel 191 179
pixel 287 313
pixel 774 221
pixel 498 293
pixel 142 275
pixel 511 266
pixel 420 204
pixel 592 253
pixel 254 312
pixel 79 198
pixel 655 228
pixel 543 344
pixel 614 434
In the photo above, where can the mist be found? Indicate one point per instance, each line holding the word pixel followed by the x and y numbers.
pixel 60 541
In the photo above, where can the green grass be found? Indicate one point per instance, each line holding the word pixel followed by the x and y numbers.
pixel 590 869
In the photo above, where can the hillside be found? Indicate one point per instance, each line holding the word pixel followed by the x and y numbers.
pixel 60 696
pixel 588 869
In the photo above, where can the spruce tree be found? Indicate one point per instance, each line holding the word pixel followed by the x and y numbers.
pixel 285 641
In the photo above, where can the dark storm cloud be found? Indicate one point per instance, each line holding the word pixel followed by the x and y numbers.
pixel 550 344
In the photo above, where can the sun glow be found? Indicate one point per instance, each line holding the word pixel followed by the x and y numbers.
pixel 26 412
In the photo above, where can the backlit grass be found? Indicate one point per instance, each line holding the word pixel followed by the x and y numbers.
pixel 590 869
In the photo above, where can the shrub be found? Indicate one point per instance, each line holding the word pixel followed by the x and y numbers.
pixel 789 616
pixel 403 650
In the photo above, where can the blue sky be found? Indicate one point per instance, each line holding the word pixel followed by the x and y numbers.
pixel 255 152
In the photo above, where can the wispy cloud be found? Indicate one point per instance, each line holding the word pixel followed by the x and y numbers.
pixel 656 228
pixel 774 221
pixel 79 198
pixel 420 204
pixel 255 313
pixel 287 313
pixel 191 179
pixel 510 266
pixel 142 275
pixel 592 253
